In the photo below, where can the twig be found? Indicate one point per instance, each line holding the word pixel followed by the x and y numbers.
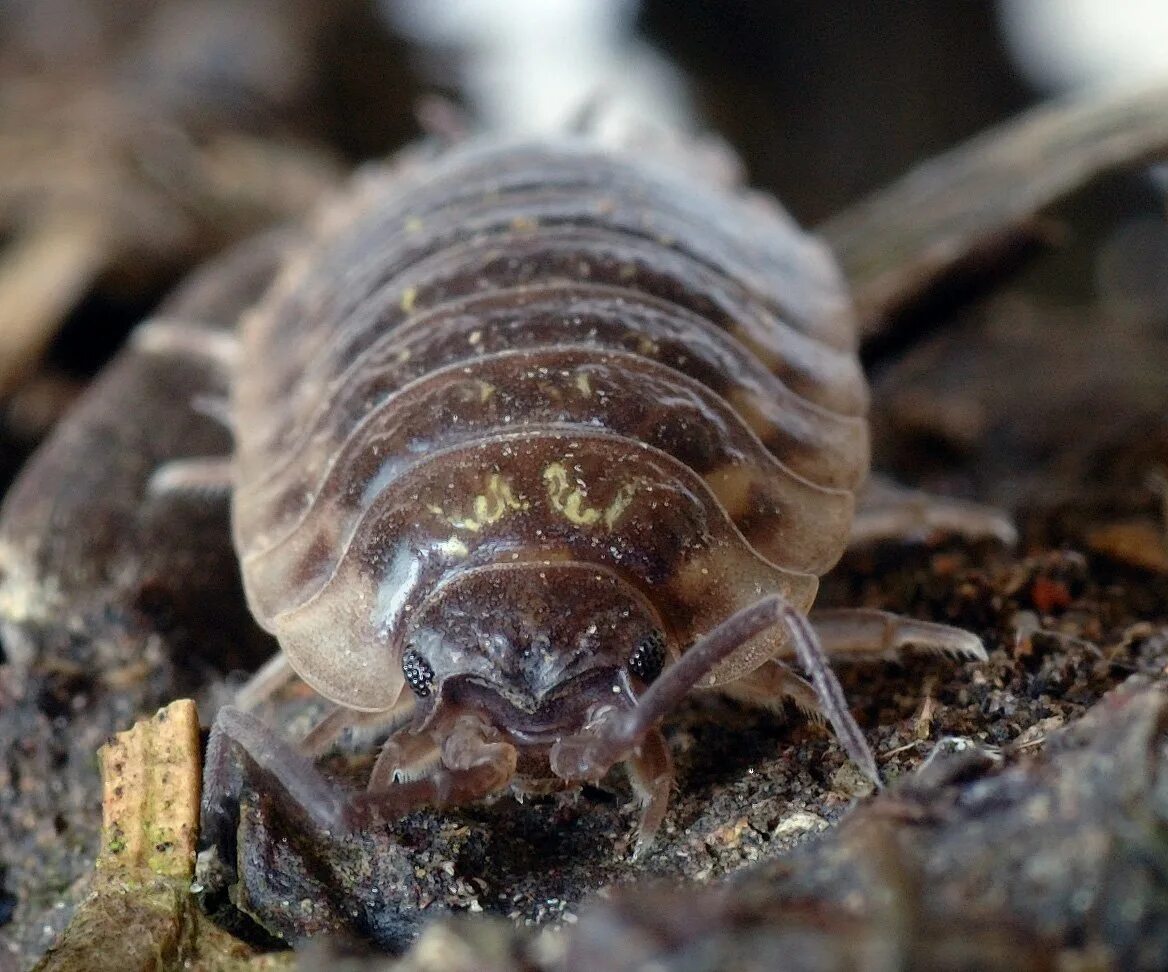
pixel 983 194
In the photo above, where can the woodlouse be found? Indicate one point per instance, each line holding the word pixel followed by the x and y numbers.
pixel 531 439
pixel 522 423
pixel 88 554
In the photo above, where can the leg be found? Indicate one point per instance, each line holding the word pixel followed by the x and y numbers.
pixel 189 339
pixel 650 771
pixel 321 737
pixel 472 766
pixel 887 511
pixel 215 407
pixel 404 759
pixel 861 634
pixel 237 734
pixel 771 684
pixel 272 676
pixel 200 477
pixel 850 636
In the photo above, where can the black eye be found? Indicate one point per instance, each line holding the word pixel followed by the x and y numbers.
pixel 418 673
pixel 648 657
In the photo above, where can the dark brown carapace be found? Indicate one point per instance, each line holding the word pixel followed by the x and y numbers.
pixel 531 440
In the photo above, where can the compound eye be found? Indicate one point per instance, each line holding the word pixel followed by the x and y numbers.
pixel 418 673
pixel 648 657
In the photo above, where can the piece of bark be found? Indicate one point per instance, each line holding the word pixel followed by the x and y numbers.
pixel 151 776
pixel 984 194
pixel 139 914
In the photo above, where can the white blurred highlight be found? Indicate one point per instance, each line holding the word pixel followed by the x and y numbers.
pixel 532 65
pixel 1068 44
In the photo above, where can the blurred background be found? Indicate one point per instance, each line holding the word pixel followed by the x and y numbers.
pixel 138 137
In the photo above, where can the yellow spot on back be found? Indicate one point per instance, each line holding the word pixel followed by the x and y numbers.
pixel 584 384
pixel 616 509
pixel 568 498
pixel 408 298
pixel 413 224
pixel 490 506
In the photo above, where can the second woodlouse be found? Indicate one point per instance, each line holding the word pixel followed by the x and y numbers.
pixel 519 425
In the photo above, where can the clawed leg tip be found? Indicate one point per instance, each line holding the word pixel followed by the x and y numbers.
pixel 969 648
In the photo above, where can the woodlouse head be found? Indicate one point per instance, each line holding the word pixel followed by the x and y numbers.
pixel 533 649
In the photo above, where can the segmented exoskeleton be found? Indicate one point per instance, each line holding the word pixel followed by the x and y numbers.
pixel 532 439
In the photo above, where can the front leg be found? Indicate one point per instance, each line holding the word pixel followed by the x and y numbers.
pixel 472 766
pixel 239 745
pixel 851 635
pixel 770 686
pixel 862 634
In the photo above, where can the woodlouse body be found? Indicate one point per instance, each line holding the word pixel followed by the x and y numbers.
pixel 541 378
pixel 518 428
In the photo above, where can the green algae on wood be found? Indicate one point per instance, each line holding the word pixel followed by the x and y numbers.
pixel 150 801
